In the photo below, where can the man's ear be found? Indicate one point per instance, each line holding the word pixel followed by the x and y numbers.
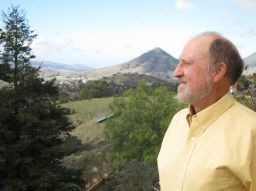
pixel 220 72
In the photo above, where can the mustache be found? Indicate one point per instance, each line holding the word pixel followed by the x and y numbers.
pixel 179 80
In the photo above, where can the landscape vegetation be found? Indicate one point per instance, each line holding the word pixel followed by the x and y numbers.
pixel 63 129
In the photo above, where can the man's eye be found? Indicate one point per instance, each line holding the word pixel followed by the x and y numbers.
pixel 185 63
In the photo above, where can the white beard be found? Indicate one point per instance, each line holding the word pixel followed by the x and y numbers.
pixel 187 95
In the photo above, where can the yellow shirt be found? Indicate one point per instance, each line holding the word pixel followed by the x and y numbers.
pixel 217 152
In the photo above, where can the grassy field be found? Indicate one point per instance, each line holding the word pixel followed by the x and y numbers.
pixel 85 114
pixel 92 156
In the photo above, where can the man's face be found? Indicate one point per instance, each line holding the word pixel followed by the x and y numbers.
pixel 193 71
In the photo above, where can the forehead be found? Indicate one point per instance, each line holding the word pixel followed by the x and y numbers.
pixel 197 47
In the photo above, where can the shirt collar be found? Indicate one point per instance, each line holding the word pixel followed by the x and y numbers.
pixel 211 113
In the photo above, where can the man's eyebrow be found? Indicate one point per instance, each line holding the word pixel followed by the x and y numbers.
pixel 181 59
pixel 185 61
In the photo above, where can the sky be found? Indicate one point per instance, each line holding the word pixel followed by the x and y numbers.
pixel 101 33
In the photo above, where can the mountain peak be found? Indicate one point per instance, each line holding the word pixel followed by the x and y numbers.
pixel 154 61
pixel 157 49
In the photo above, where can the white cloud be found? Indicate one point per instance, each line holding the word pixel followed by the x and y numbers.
pixel 247 4
pixel 98 49
pixel 183 5
pixel 226 13
pixel 244 40
pixel 252 32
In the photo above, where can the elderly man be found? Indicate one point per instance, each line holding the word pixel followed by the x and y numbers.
pixel 211 146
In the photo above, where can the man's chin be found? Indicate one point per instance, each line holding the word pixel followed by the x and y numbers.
pixel 181 98
pixel 181 89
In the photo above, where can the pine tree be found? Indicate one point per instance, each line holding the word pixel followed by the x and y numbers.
pixel 16 38
pixel 33 127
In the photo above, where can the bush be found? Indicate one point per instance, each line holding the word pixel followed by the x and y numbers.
pixel 139 123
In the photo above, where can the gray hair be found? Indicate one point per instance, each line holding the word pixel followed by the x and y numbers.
pixel 223 50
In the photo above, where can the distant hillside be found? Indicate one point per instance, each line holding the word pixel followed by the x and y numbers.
pixel 109 86
pixel 250 63
pixel 250 60
pixel 120 82
pixel 53 68
pixel 156 62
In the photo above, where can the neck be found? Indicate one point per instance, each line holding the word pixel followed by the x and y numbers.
pixel 210 99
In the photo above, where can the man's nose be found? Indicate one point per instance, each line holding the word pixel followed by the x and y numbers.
pixel 178 72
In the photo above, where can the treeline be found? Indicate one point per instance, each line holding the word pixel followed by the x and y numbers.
pixel 245 91
pixel 117 85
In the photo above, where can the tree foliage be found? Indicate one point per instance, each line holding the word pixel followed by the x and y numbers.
pixel 139 123
pixel 96 89
pixel 131 175
pixel 16 38
pixel 246 91
pixel 33 127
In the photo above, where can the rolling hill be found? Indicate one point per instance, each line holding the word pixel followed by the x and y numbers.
pixel 48 68
pixel 155 62
pixel 250 63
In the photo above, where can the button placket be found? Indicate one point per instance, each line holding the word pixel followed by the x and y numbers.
pixel 191 144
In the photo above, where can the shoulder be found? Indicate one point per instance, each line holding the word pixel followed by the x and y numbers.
pixel 179 117
pixel 243 114
pixel 182 113
pixel 241 121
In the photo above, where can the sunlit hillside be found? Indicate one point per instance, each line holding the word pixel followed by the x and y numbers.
pixel 92 155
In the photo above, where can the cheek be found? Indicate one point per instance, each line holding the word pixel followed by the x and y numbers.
pixel 196 77
pixel 196 82
pixel 200 76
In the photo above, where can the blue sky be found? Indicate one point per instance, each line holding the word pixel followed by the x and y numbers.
pixel 101 33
